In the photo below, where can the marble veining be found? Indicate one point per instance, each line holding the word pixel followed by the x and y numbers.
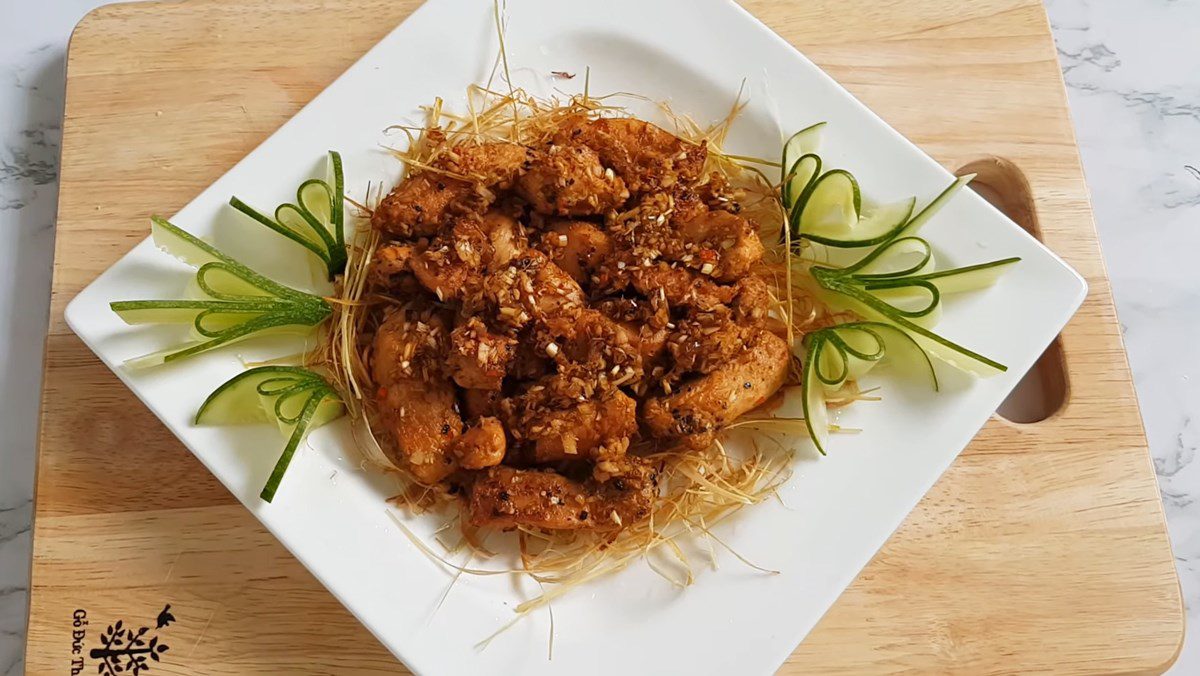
pixel 1130 75
pixel 1130 70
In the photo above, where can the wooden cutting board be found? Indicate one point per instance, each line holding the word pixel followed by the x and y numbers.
pixel 1042 549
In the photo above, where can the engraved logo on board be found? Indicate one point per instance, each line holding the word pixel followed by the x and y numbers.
pixel 123 649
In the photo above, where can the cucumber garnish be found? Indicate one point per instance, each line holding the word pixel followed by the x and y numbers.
pixel 803 142
pixel 844 353
pixel 240 302
pixel 832 203
pixel 895 287
pixel 316 221
pixel 799 178
pixel 828 208
pixel 870 305
pixel 297 399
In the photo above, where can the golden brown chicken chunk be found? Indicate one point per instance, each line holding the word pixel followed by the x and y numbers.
pixel 594 429
pixel 589 345
pixel 705 344
pixel 418 206
pixel 681 287
pixel 531 287
pixel 418 412
pixel 479 358
pixel 568 180
pixel 578 247
pixel 391 271
pixel 718 244
pixel 647 157
pixel 422 203
pixel 419 424
pixel 753 300
pixel 505 236
pixel 390 260
pixel 410 343
pixel 494 165
pixel 453 265
pixel 483 445
pixel 702 406
pixel 505 497
pixel 725 246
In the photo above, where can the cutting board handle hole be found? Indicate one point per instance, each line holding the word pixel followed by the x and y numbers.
pixel 1043 391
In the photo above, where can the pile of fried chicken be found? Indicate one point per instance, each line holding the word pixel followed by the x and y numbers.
pixel 551 303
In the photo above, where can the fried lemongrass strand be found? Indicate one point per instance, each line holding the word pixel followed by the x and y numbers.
pixel 340 353
pixel 428 551
pixel 711 536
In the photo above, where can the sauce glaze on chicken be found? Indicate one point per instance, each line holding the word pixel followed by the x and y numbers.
pixel 552 306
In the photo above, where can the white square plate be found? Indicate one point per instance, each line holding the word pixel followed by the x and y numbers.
pixel 835 511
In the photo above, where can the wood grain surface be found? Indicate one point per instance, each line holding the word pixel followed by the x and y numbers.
pixel 1042 549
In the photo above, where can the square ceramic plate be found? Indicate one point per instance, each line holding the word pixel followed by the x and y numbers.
pixel 835 511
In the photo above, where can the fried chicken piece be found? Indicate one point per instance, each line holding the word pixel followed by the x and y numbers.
pixel 578 247
pixel 483 445
pixel 753 300
pixel 391 260
pixel 495 164
pixel 568 180
pixel 419 423
pixel 647 157
pixel 713 194
pixel 422 203
pixel 595 429
pixel 505 236
pixel 681 287
pixel 418 410
pixel 410 343
pixel 727 245
pixel 505 497
pixel 695 413
pixel 419 205
pixel 717 243
pixel 453 265
pixel 702 345
pixel 592 346
pixel 686 203
pixel 391 271
pixel 645 323
pixel 651 343
pixel 479 359
pixel 531 287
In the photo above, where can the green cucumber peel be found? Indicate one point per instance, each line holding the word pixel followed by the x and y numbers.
pixel 240 302
pixel 832 201
pixel 804 142
pixel 316 221
pixel 822 213
pixel 834 280
pixel 894 287
pixel 967 278
pixel 295 398
pixel 799 178
pixel 917 222
pixel 841 346
pixel 812 401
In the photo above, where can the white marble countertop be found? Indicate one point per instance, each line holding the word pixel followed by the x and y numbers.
pixel 1131 73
